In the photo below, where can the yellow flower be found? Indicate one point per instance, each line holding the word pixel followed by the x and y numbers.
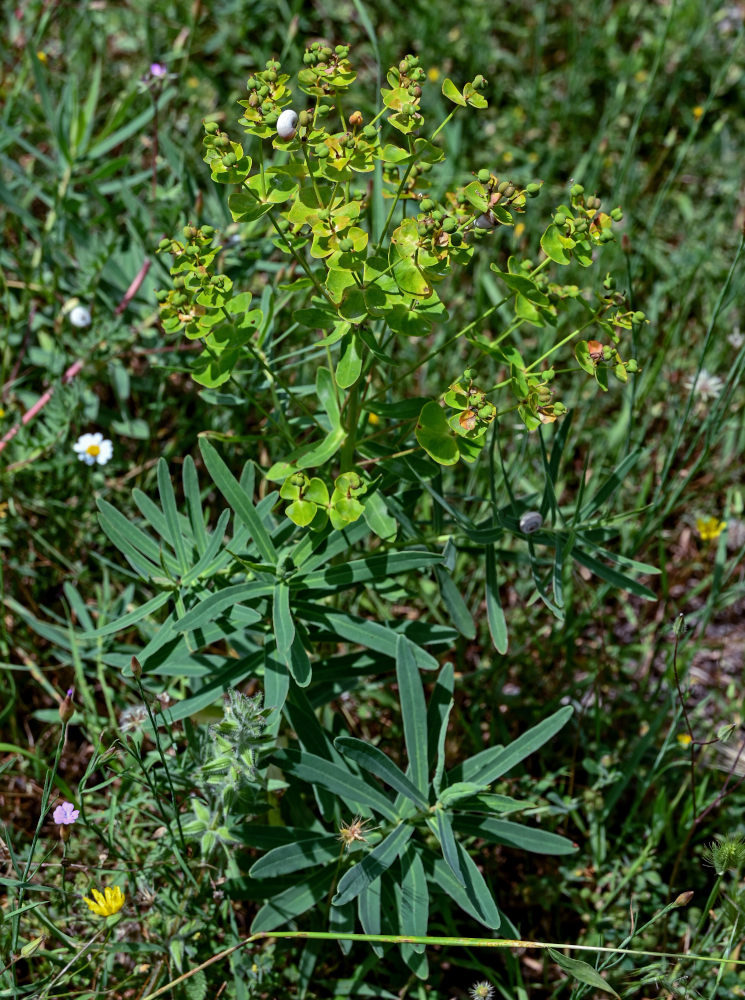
pixel 107 903
pixel 684 739
pixel 433 74
pixel 698 111
pixel 709 528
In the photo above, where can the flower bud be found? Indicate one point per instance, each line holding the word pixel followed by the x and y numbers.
pixel 684 898
pixel 66 708
pixel 484 175
pixel 136 667
pixel 211 128
pixel 355 119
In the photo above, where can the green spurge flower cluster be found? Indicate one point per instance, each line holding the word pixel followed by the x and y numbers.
pixel 372 240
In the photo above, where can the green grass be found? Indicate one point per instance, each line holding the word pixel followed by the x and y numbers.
pixel 642 104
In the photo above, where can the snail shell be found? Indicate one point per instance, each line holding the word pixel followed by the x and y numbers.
pixel 287 124
pixel 530 521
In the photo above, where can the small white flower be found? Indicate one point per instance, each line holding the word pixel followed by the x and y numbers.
pixel 93 448
pixel 705 385
pixel 133 717
pixel 736 339
pixel 80 316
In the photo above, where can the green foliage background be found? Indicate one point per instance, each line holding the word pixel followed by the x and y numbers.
pixel 641 103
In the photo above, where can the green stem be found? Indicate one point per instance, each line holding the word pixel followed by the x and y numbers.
pixel 353 416
pixel 452 942
pixel 164 762
pixel 48 781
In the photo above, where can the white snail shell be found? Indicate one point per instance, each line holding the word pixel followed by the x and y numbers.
pixel 80 316
pixel 287 124
pixel 530 521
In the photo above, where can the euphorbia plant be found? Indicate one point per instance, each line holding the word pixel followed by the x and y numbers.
pixel 355 206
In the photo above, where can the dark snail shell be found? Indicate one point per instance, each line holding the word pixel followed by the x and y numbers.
pixel 530 521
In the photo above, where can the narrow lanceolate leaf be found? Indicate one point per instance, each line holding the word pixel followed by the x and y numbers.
pixel 375 761
pixel 209 551
pixel 131 618
pixel 194 503
pixel 340 626
pixel 474 897
pixel 276 681
pixel 321 849
pixel 353 790
pixel 241 503
pixel 581 971
pixel 438 714
pixel 141 551
pixel 413 907
pixel 368 909
pixel 299 663
pixel 505 758
pixel 457 608
pixel 502 831
pixel 210 607
pixel 284 627
pixel 443 830
pixel 168 500
pixel 612 576
pixel 373 864
pixel 341 921
pixel 494 612
pixel 414 715
pixel 377 567
pixel 293 901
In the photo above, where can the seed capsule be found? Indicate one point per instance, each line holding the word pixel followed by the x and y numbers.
pixel 530 521
pixel 287 124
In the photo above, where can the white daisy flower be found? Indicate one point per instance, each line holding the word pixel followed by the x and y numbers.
pixel 80 316
pixel 93 448
pixel 706 386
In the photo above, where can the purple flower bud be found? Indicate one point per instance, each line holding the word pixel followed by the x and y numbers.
pixel 66 708
pixel 158 69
